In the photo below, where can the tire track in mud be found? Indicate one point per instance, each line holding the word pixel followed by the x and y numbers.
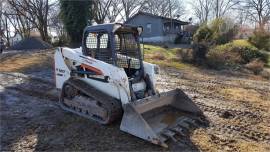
pixel 213 105
pixel 242 130
pixel 210 85
pixel 31 86
pixel 217 80
pixel 240 123
pixel 210 92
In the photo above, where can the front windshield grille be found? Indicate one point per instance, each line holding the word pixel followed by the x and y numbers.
pixel 98 47
pixel 127 51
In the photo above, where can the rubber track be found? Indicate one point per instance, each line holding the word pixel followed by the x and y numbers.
pixel 113 106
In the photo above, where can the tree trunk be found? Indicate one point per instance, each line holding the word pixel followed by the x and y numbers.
pixel 7 32
pixel 217 8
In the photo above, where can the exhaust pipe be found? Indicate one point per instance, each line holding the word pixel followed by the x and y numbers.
pixel 160 117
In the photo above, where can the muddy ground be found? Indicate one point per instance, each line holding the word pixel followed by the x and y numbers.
pixel 236 105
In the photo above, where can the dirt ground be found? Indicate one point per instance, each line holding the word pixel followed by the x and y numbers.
pixel 237 106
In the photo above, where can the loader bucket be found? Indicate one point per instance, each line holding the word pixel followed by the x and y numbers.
pixel 159 118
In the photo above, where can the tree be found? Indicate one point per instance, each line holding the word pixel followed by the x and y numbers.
pixel 114 10
pixel 35 11
pixel 75 15
pixel 101 10
pixel 130 7
pixel 257 11
pixel 164 7
pixel 19 22
pixel 106 10
pixel 202 9
pixel 221 7
pixel 56 26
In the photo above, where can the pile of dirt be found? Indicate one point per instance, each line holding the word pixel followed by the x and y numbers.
pixel 30 44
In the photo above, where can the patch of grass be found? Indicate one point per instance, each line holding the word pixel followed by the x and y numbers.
pixel 168 53
pixel 163 56
pixel 242 43
pixel 164 63
pixel 268 63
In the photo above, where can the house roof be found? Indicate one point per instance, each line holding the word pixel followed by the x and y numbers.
pixel 156 16
pixel 109 27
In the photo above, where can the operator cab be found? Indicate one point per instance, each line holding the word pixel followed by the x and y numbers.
pixel 116 44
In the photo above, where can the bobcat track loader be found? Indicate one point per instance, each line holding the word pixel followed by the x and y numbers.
pixel 106 79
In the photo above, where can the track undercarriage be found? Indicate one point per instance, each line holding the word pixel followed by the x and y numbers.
pixel 79 98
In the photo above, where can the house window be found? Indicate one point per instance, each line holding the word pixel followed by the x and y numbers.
pixel 149 27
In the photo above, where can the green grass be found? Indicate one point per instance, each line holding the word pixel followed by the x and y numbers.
pixel 171 57
pixel 151 49
pixel 268 63
pixel 242 43
pixel 163 57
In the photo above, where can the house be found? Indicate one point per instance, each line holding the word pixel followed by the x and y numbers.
pixel 15 39
pixel 157 28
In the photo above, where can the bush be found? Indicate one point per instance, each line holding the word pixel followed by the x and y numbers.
pixel 186 55
pixel 256 66
pixel 219 31
pixel 199 52
pixel 203 34
pixel 234 53
pixel 261 39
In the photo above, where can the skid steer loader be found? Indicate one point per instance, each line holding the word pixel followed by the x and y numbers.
pixel 106 79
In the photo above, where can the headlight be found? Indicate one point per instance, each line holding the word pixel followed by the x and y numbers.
pixel 156 69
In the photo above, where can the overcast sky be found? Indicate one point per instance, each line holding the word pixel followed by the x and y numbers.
pixel 187 4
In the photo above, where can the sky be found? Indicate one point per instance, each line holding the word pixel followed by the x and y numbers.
pixel 188 11
pixel 187 4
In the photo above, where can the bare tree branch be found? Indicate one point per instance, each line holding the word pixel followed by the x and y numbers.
pixel 202 9
pixel 162 7
pixel 35 11
pixel 257 11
